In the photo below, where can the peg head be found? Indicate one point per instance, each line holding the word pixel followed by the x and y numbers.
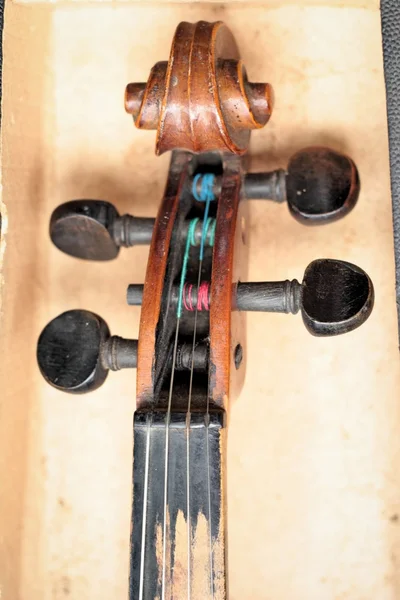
pixel 321 185
pixel 69 351
pixel 337 297
pixel 83 228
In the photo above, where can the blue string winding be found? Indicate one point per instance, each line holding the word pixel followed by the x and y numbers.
pixel 206 195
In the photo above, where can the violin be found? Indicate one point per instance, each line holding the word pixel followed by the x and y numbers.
pixel 190 353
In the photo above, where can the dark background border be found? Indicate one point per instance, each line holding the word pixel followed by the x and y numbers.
pixel 390 12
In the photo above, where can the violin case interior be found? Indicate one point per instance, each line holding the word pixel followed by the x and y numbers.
pixel 314 439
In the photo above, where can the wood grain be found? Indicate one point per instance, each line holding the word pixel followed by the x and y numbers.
pixel 201 100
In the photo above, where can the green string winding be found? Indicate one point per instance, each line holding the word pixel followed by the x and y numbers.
pixel 207 230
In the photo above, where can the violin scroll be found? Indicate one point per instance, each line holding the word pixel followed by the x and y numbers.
pixel 201 99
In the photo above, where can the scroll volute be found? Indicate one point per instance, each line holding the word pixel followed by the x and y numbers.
pixel 201 99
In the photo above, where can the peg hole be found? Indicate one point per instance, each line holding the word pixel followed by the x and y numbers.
pixel 238 355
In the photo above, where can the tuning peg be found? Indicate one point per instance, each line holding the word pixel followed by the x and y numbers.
pixel 75 352
pixel 93 229
pixel 335 297
pixel 321 185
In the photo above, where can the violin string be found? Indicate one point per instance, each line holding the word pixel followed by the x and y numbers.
pixel 189 240
pixel 168 420
pixel 207 430
pixel 207 228
pixel 207 196
pixel 188 419
pixel 144 515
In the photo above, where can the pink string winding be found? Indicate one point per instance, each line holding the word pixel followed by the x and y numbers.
pixel 187 296
pixel 202 296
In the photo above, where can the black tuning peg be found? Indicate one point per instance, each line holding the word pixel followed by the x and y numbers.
pixel 75 352
pixel 319 185
pixel 93 229
pixel 337 297
pixel 334 297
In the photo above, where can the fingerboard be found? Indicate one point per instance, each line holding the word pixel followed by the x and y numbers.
pixel 203 575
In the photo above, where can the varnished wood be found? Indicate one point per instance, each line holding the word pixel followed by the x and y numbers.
pixel 201 99
pixel 154 281
pixel 227 328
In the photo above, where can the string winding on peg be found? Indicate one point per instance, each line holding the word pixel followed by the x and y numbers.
pixel 200 303
pixel 208 230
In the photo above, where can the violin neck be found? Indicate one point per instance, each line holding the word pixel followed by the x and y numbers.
pixel 178 517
